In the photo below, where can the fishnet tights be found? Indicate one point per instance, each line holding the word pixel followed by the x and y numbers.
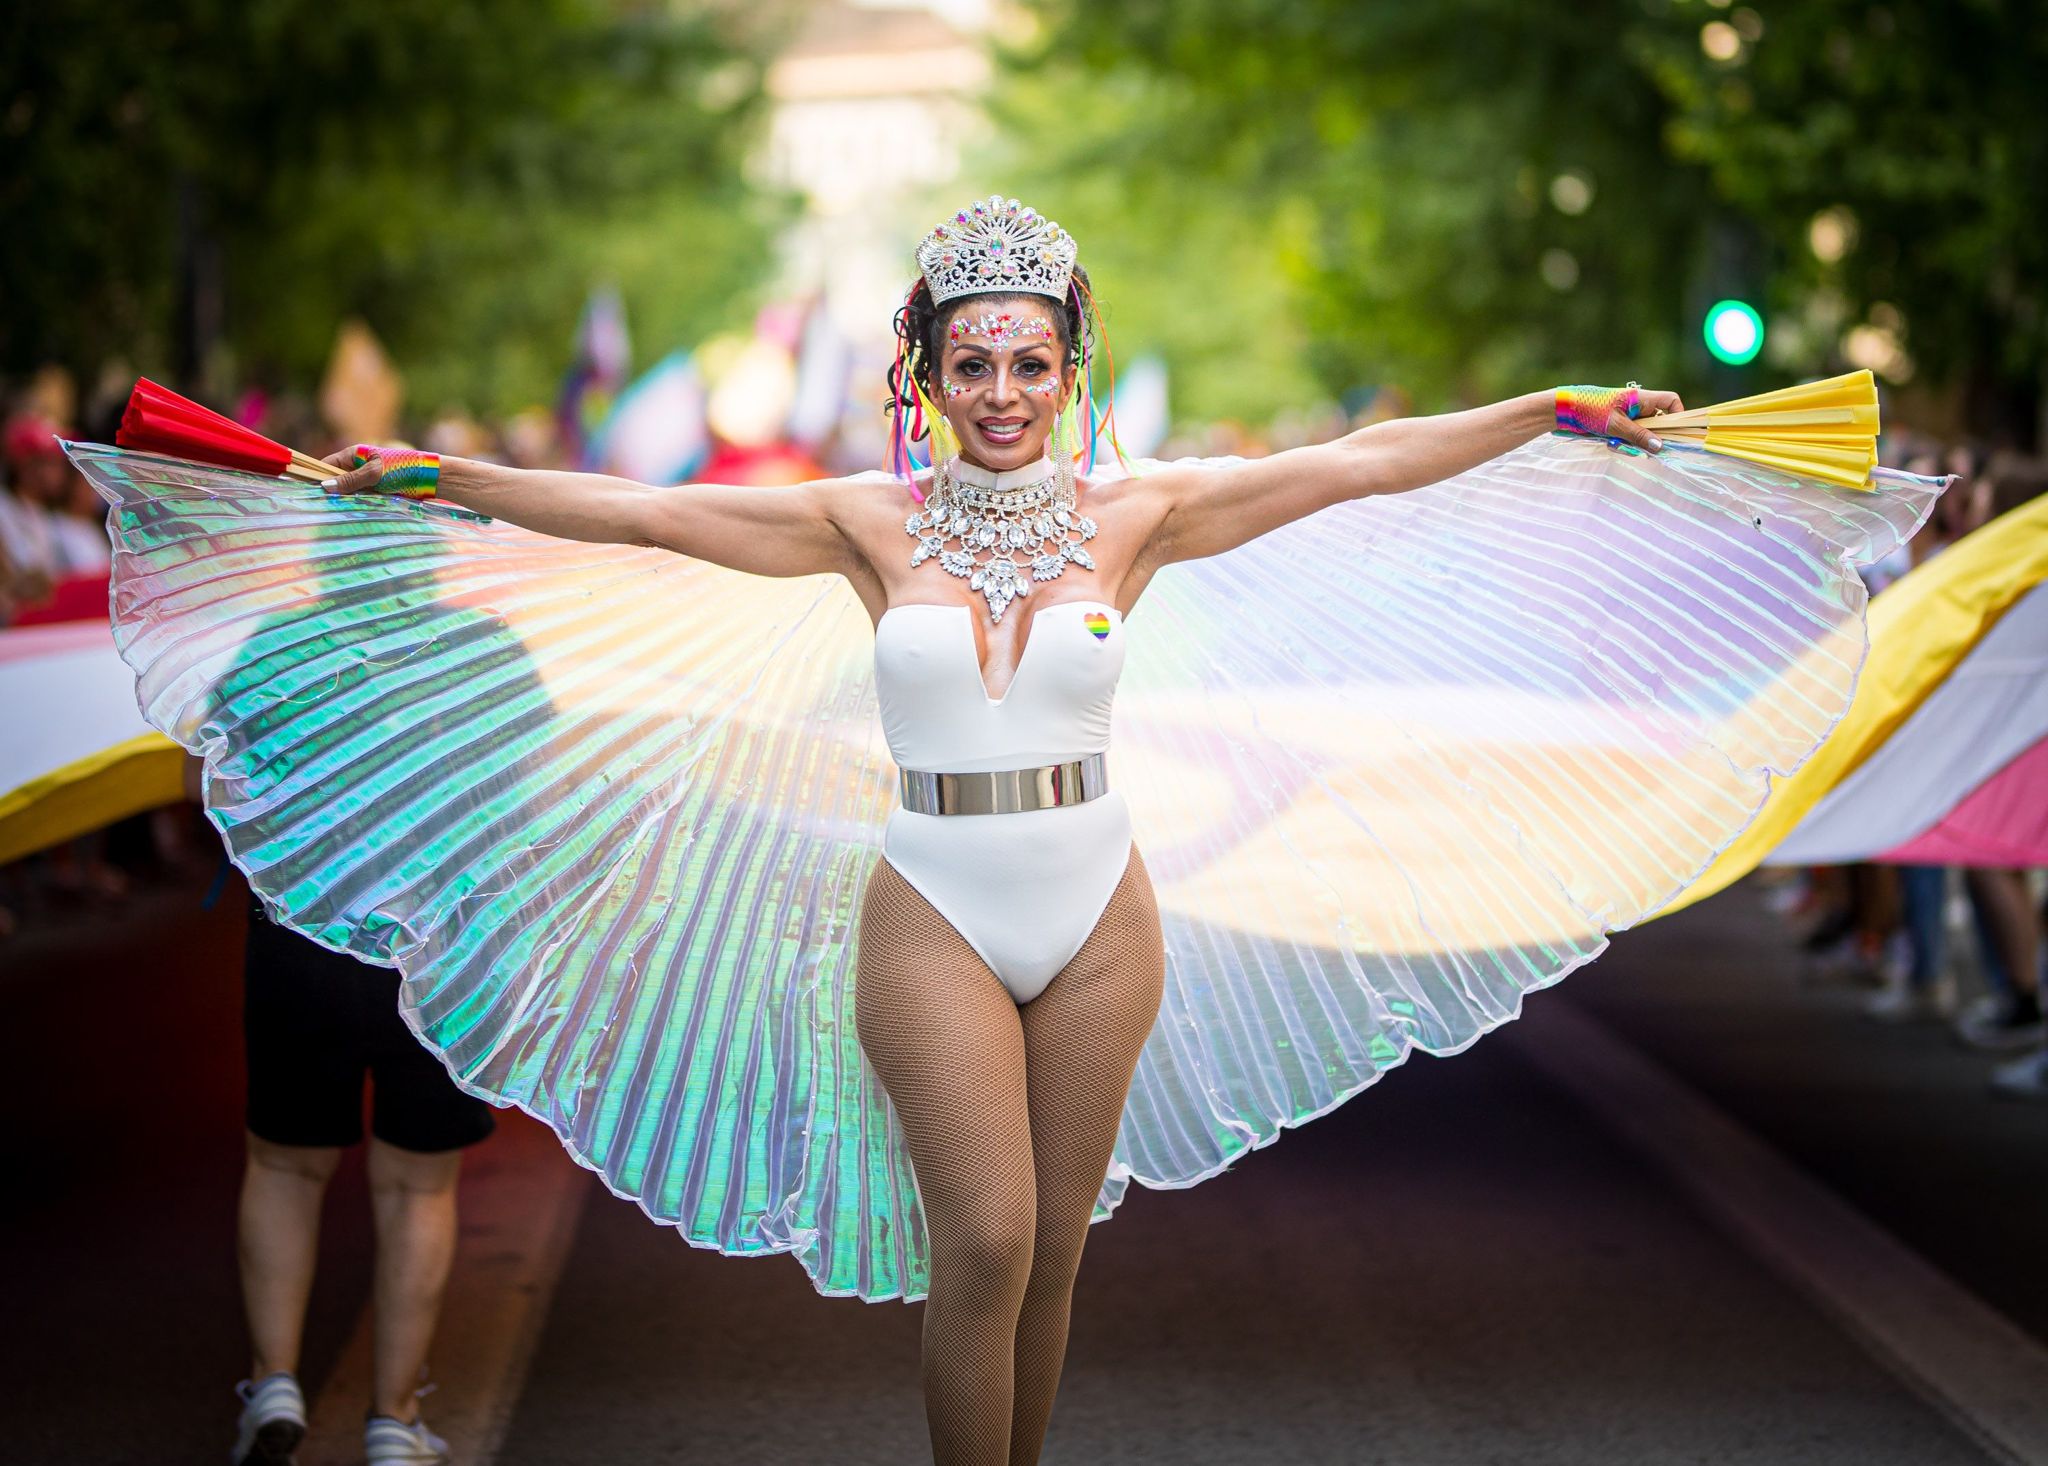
pixel 1010 1114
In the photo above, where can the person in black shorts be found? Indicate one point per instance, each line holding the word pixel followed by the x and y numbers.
pixel 317 1024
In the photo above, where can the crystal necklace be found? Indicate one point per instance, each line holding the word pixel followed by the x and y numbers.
pixel 1011 528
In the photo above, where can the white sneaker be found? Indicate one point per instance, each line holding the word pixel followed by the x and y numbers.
pixel 2002 1023
pixel 386 1440
pixel 273 1421
pixel 1984 1008
pixel 1909 1002
pixel 1895 965
pixel 1845 962
pixel 2022 1079
pixel 1783 897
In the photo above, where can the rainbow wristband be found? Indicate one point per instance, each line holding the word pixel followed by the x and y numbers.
pixel 1586 409
pixel 407 471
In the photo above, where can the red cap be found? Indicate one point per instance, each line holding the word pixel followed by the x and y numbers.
pixel 29 436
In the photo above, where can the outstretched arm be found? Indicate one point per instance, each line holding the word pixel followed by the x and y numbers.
pixel 1205 511
pixel 782 530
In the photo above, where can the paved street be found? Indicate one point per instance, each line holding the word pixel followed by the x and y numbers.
pixel 1607 1234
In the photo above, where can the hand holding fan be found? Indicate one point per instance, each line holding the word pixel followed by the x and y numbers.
pixel 158 420
pixel 1825 430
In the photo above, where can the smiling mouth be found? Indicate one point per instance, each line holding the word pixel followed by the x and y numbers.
pixel 1002 429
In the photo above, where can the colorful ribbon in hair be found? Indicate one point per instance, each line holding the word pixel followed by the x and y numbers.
pixel 903 430
pixel 1586 409
pixel 407 471
pixel 1103 425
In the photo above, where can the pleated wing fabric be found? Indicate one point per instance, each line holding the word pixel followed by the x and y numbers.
pixel 610 811
pixel 1396 765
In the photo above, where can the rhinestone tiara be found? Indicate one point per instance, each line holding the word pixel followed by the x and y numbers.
pixel 997 244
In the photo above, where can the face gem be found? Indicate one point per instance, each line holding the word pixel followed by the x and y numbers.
pixel 1044 387
pixel 1000 329
pixel 958 389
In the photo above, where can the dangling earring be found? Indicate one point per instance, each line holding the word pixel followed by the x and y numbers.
pixel 1063 455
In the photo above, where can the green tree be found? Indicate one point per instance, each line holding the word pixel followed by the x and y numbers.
pixel 1894 159
pixel 1484 195
pixel 1178 270
pixel 245 173
pixel 1409 158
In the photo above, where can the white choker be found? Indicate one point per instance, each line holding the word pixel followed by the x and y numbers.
pixel 963 472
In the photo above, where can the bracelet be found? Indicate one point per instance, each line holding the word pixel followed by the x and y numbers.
pixel 1586 409
pixel 407 471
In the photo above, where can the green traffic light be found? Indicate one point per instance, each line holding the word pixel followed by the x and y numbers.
pixel 1735 332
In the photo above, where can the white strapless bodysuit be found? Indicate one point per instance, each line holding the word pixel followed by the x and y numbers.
pixel 1025 889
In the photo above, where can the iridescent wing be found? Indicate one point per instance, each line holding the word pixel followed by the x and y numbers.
pixel 609 811
pixel 1399 764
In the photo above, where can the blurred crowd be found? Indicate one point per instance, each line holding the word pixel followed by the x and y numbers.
pixel 52 524
pixel 1962 948
pixel 1939 946
pixel 54 557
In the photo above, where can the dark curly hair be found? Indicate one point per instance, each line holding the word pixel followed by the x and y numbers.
pixel 921 326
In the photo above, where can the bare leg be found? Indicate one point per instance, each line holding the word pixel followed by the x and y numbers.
pixel 945 1038
pixel 1877 908
pixel 2009 914
pixel 412 1195
pixel 1082 1038
pixel 279 1239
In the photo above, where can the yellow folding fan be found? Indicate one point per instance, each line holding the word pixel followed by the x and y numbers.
pixel 1825 430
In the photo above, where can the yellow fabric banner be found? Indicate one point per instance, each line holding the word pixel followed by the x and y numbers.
pixel 126 778
pixel 1921 627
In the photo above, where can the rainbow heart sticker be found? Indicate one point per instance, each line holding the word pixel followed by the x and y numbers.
pixel 1097 623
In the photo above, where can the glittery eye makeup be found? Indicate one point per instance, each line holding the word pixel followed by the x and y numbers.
pixel 1047 386
pixel 1000 330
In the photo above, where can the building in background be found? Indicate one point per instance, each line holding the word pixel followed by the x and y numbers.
pixel 872 108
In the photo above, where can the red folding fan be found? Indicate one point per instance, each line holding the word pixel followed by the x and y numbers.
pixel 158 420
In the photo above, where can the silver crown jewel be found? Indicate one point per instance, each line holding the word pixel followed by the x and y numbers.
pixel 997 244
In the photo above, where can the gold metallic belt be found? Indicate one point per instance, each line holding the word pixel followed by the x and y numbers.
pixel 1006 791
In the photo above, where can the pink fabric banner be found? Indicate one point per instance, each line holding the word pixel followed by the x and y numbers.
pixel 2002 822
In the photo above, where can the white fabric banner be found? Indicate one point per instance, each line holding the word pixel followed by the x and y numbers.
pixel 1990 709
pixel 65 694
